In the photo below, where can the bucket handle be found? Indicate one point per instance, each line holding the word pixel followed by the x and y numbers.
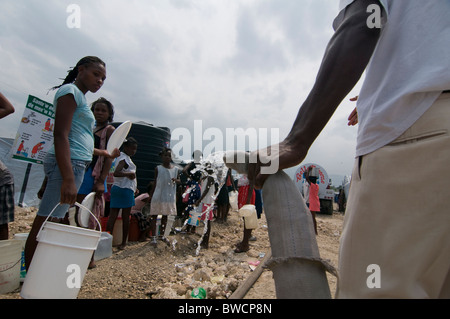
pixel 76 204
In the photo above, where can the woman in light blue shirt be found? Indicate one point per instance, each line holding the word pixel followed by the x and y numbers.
pixel 73 146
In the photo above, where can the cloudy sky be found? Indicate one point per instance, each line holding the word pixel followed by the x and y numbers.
pixel 230 64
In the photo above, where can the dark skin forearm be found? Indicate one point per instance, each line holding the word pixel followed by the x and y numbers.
pixel 99 186
pixel 345 59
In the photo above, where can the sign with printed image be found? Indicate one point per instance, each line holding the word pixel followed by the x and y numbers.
pixel 35 134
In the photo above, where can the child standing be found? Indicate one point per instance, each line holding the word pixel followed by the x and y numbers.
pixel 123 189
pixel 207 202
pixel 73 145
pixel 314 201
pixel 95 176
pixel 246 195
pixel 164 194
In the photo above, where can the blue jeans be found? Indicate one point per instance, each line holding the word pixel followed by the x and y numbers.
pixel 52 194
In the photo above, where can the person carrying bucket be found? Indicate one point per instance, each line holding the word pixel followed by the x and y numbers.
pixel 73 147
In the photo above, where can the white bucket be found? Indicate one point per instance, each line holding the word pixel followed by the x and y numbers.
pixel 60 261
pixel 248 212
pixel 23 238
pixel 10 257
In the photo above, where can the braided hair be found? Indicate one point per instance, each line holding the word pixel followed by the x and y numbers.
pixel 108 105
pixel 73 73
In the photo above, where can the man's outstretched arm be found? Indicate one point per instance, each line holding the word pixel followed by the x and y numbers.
pixel 346 57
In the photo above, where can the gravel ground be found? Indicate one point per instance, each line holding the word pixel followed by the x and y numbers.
pixel 142 271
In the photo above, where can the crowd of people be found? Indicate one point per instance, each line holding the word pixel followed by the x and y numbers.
pixel 401 48
pixel 78 164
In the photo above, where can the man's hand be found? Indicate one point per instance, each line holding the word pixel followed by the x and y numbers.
pixel 266 162
pixel 353 118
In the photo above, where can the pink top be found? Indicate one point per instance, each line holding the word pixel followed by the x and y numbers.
pixel 314 202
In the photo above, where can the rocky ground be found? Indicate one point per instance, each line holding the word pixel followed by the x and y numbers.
pixel 142 271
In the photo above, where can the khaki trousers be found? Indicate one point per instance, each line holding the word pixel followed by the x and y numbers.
pixel 396 237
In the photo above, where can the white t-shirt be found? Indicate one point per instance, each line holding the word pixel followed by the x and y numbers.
pixel 409 69
pixel 125 182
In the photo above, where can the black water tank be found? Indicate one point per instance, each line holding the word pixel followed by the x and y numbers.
pixel 151 140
